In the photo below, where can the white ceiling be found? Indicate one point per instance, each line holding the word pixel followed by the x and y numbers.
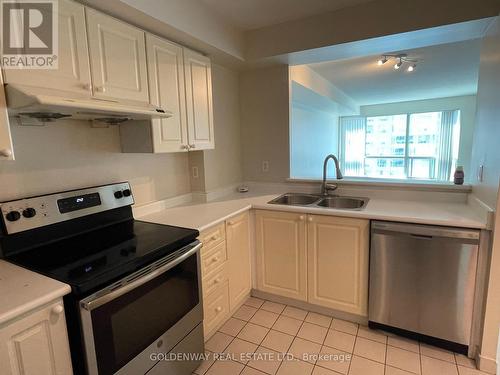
pixel 254 14
pixel 442 71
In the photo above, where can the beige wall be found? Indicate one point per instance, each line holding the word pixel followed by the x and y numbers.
pixel 466 105
pixel 70 154
pixel 486 151
pixel 264 96
pixel 223 165
pixel 364 21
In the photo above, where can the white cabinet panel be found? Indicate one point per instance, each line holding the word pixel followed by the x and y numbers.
pixel 199 100
pixel 73 73
pixel 36 344
pixel 166 85
pixel 281 254
pixel 117 58
pixel 338 263
pixel 238 249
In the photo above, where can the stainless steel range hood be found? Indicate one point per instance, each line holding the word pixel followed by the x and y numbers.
pixel 46 105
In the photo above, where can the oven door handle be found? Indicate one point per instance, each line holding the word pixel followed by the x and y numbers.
pixel 95 301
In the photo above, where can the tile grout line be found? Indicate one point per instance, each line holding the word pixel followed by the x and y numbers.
pixel 330 327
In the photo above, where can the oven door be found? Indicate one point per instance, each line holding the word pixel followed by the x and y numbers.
pixel 149 311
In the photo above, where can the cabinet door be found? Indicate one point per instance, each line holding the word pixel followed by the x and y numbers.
pixel 36 344
pixel 73 72
pixel 238 251
pixel 198 73
pixel 338 263
pixel 281 254
pixel 166 85
pixel 6 150
pixel 117 58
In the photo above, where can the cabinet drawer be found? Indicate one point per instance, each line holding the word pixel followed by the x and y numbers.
pixel 216 308
pixel 213 259
pixel 212 237
pixel 215 279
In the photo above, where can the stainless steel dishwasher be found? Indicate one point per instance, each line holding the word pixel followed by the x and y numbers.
pixel 422 282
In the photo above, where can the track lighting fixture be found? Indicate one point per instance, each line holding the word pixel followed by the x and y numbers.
pixel 400 60
pixel 382 61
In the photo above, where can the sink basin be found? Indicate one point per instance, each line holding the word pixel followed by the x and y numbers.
pixel 312 200
pixel 349 203
pixel 296 199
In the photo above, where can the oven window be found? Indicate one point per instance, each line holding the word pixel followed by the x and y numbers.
pixel 127 325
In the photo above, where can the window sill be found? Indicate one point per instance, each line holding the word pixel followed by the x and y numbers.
pixel 391 183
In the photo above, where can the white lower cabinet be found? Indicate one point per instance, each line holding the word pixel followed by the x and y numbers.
pixel 36 344
pixel 319 259
pixel 238 248
pixel 337 263
pixel 225 268
pixel 281 255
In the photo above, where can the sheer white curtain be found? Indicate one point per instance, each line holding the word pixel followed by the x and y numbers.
pixel 352 134
pixel 449 120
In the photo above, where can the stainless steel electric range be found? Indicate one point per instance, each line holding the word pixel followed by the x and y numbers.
pixel 135 285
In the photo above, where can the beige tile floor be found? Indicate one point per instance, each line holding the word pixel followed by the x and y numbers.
pixel 252 340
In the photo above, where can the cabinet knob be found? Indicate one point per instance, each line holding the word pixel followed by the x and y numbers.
pixel 218 309
pixel 310 219
pixel 5 152
pixel 215 259
pixel 230 223
pixel 216 281
pixel 301 217
pixel 57 310
pixel 87 86
pixel 184 147
pixel 100 89
pixel 214 237
pixel 192 146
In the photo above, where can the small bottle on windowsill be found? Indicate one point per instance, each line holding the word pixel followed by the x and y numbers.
pixel 458 177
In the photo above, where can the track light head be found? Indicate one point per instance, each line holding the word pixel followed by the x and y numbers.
pixel 382 61
pixel 398 64
pixel 411 68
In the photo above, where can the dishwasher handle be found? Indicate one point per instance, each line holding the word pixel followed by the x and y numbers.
pixel 425 231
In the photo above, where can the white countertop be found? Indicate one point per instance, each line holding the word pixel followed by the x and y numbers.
pixel 22 290
pixel 204 215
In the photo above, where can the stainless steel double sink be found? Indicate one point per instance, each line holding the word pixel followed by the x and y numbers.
pixel 313 200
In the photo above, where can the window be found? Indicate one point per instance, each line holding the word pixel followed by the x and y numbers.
pixel 413 145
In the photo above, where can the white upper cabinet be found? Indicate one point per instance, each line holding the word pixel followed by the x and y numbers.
pixel 199 100
pixel 73 73
pixel 166 85
pixel 180 81
pixel 117 58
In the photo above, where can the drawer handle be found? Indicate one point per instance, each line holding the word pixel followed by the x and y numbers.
pixel 214 237
pixel 57 310
pixel 215 259
pixel 218 309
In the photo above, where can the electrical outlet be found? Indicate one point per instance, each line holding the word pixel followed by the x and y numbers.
pixel 195 172
pixel 265 166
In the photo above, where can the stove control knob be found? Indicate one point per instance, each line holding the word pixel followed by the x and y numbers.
pixel 127 193
pixel 13 216
pixel 29 212
pixel 118 194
